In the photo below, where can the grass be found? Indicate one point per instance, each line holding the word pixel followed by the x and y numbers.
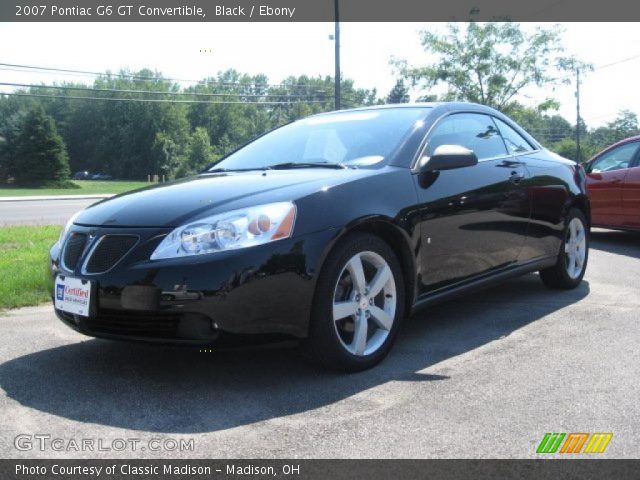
pixel 23 264
pixel 87 187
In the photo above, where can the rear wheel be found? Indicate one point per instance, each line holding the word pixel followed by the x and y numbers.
pixel 571 265
pixel 358 305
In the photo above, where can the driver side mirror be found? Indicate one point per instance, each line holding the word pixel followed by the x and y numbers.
pixel 448 157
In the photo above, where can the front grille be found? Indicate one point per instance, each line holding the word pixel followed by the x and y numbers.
pixel 108 251
pixel 73 250
pixel 136 324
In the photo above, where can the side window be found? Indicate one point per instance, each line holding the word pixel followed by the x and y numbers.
pixel 616 159
pixel 474 131
pixel 514 141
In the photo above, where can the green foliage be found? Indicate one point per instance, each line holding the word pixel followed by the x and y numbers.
pixel 623 126
pixel 79 187
pixel 130 140
pixel 200 154
pixel 25 248
pixel 121 138
pixel 9 132
pixel 40 154
pixel 399 93
pixel 545 126
pixel 558 135
pixel 565 148
pixel 166 154
pixel 593 141
pixel 489 63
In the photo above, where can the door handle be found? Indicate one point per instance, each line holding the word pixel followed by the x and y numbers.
pixel 616 180
pixel 512 163
pixel 516 177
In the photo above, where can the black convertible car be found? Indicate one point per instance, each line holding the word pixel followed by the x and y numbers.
pixel 330 229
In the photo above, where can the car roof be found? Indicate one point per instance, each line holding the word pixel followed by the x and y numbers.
pixel 400 105
pixel 617 144
pixel 441 108
pixel 449 106
pixel 626 140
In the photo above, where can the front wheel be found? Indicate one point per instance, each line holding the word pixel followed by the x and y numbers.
pixel 571 265
pixel 358 305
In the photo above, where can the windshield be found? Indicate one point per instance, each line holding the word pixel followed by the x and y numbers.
pixel 363 138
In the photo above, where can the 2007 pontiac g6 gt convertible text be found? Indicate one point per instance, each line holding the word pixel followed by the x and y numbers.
pixel 330 229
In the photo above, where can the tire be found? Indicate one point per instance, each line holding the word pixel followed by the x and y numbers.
pixel 569 269
pixel 339 343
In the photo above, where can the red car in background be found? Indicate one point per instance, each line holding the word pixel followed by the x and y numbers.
pixel 613 185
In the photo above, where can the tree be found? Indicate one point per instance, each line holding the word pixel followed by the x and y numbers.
pixel 9 131
pixel 399 93
pixel 166 155
pixel 6 161
pixel 625 125
pixel 489 63
pixel 567 148
pixel 41 156
pixel 545 127
pixel 132 139
pixel 199 150
pixel 200 153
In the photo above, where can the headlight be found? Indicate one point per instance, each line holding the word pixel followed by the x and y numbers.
pixel 65 230
pixel 229 231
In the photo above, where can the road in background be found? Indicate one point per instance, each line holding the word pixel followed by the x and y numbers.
pixel 41 212
pixel 483 376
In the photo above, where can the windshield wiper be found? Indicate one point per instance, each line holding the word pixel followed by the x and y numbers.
pixel 224 170
pixel 282 166
pixel 290 165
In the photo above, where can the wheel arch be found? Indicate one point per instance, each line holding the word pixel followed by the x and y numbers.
pixel 394 236
pixel 581 202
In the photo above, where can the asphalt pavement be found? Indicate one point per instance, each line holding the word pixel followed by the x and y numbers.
pixel 484 376
pixel 41 212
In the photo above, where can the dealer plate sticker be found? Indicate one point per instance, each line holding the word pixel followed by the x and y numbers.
pixel 73 295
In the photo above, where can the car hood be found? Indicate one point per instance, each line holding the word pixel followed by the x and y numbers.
pixel 173 204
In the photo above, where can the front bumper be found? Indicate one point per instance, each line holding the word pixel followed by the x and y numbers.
pixel 266 289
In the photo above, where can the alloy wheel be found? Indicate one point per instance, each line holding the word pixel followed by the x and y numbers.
pixel 575 248
pixel 364 303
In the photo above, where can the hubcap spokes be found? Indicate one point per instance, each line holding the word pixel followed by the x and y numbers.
pixel 575 248
pixel 364 303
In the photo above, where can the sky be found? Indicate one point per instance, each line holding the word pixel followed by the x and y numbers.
pixel 197 50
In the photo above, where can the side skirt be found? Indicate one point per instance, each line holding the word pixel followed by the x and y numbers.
pixel 619 228
pixel 457 290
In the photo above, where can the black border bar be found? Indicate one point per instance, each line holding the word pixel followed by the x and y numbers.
pixel 327 469
pixel 318 10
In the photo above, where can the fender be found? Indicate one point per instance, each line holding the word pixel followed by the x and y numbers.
pixel 397 238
